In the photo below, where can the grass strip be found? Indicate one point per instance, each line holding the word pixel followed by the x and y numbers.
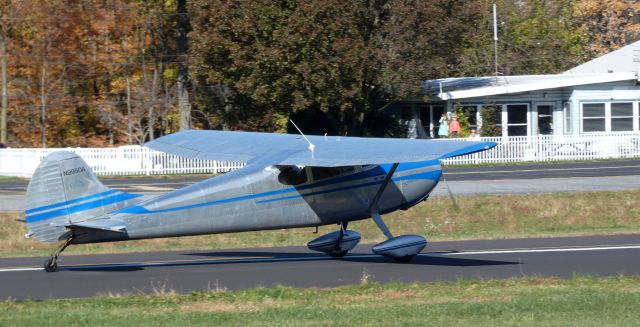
pixel 480 217
pixel 580 301
pixel 11 179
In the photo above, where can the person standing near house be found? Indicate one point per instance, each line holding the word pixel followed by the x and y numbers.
pixel 474 134
pixel 443 129
pixel 454 126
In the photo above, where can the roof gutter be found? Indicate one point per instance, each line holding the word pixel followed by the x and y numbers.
pixel 552 83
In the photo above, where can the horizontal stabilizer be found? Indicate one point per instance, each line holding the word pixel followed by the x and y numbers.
pixel 109 225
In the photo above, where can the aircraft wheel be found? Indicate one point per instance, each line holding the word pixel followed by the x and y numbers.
pixel 50 265
pixel 338 254
pixel 404 259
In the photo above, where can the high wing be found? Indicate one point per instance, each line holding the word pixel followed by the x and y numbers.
pixel 293 149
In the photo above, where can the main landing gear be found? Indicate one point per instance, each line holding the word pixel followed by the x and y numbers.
pixel 400 248
pixel 51 264
pixel 336 244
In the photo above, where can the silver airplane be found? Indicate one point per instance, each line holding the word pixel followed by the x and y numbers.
pixel 289 181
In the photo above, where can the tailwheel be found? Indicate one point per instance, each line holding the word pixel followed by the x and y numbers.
pixel 51 264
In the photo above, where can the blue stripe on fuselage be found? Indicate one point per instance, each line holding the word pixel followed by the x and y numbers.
pixel 375 172
pixel 81 207
pixel 425 175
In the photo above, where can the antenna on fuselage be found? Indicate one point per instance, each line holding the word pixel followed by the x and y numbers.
pixel 311 145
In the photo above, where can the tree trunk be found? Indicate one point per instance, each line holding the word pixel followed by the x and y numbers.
pixel 129 122
pixel 183 73
pixel 5 95
pixel 43 106
pixel 157 68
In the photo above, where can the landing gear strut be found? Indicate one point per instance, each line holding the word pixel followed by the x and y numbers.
pixel 338 251
pixel 51 264
pixel 401 248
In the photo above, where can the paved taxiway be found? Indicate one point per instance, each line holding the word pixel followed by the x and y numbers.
pixel 143 273
pixel 82 276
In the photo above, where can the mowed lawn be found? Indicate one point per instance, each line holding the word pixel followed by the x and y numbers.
pixel 580 301
pixel 479 217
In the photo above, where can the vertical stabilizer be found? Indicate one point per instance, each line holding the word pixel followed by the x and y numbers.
pixel 63 191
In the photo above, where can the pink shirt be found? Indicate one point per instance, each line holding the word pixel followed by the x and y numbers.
pixel 454 126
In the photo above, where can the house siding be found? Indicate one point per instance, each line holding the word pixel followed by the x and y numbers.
pixel 604 93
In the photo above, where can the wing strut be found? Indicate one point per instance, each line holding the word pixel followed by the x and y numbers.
pixel 373 207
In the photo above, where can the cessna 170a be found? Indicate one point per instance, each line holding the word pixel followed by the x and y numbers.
pixel 289 181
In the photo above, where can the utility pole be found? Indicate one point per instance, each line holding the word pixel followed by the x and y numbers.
pixel 5 93
pixel 495 38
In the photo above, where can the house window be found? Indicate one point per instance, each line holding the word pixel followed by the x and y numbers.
pixel 593 117
pixel 430 119
pixel 517 122
pixel 545 119
pixel 622 117
pixel 608 117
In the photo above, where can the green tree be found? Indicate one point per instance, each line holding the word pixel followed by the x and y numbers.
pixel 348 59
pixel 535 37
pixel 490 117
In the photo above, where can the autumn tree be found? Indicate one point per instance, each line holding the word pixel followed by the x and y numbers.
pixel 96 73
pixel 49 47
pixel 606 25
pixel 10 12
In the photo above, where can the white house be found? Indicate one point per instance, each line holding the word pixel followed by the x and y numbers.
pixel 600 96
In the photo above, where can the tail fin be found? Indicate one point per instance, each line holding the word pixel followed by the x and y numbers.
pixel 64 191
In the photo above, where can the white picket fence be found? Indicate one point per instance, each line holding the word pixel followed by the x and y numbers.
pixel 554 148
pixel 126 160
pixel 136 160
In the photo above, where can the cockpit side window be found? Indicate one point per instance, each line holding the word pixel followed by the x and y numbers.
pixel 292 175
pixel 320 173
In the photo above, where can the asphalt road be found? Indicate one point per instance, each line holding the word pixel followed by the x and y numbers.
pixel 545 170
pixel 183 272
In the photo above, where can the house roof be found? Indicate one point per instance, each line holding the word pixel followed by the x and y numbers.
pixel 620 65
pixel 472 87
pixel 623 60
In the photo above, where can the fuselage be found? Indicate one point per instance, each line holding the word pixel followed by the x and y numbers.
pixel 274 197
